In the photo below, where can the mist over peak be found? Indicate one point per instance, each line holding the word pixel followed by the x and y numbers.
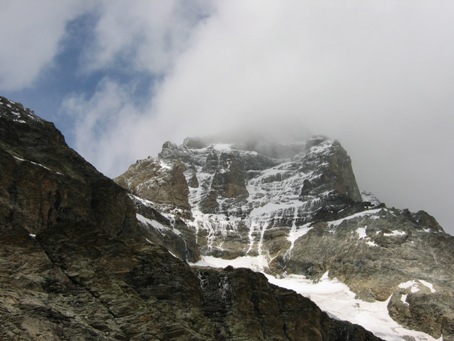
pixel 276 140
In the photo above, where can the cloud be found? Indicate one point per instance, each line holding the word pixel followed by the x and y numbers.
pixel 31 33
pixel 376 75
pixel 105 124
pixel 142 35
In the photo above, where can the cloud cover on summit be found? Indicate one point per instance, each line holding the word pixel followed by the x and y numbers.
pixel 120 78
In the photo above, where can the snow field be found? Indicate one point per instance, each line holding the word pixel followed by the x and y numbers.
pixel 333 297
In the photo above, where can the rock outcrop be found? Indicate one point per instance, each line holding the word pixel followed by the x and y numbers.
pixel 76 263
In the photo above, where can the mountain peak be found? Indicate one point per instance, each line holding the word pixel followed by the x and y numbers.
pixel 293 208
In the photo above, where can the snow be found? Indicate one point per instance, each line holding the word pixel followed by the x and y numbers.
pixel 404 299
pixel 361 232
pixel 370 197
pixel 17 112
pixel 322 148
pixel 336 223
pixel 34 163
pixel 362 235
pixel 371 243
pixel 296 233
pixel 415 285
pixel 394 233
pixel 332 296
pixel 156 224
pixel 429 285
pixel 250 262
pixel 336 298
pixel 164 164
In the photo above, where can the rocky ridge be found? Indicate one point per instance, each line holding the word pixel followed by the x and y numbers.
pixel 297 209
pixel 77 264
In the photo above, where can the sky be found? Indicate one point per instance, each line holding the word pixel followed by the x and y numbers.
pixel 120 78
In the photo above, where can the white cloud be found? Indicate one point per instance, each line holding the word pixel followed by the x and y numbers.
pixel 105 125
pixel 376 75
pixel 143 35
pixel 30 32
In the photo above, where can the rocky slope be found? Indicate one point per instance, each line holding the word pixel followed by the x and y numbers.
pixel 76 264
pixel 297 209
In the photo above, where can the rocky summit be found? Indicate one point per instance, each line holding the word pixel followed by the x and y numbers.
pixel 295 209
pixel 80 260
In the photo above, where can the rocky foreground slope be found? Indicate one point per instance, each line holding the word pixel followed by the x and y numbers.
pixel 296 209
pixel 76 264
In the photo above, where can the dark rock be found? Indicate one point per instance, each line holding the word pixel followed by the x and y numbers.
pixel 230 179
pixel 193 182
pixel 209 204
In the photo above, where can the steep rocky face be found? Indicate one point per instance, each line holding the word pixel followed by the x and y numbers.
pixel 44 182
pixel 163 183
pixel 75 264
pixel 238 194
pixel 296 208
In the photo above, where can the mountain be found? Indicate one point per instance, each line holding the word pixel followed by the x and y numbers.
pixel 294 209
pixel 77 264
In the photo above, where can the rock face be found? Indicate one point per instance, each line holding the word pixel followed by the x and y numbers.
pixel 238 195
pixel 77 262
pixel 297 208
pixel 162 182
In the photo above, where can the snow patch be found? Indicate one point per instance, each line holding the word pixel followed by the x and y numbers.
pixel 34 163
pixel 404 299
pixel 367 213
pixel 296 233
pixel 429 285
pixel 370 197
pixel 362 235
pixel 371 243
pixel 249 262
pixel 156 225
pixel 415 285
pixel 361 232
pixel 164 164
pixel 394 233
pixel 338 300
